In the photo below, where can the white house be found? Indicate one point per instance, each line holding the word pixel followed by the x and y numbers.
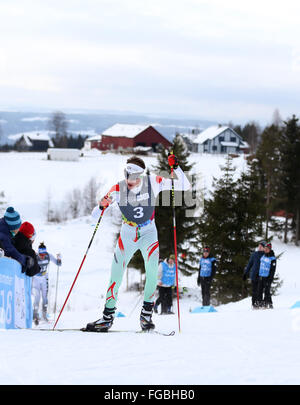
pixel 219 139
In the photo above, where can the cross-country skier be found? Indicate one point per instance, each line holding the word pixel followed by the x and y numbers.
pixel 40 282
pixel 207 270
pixel 136 196
pixel 266 274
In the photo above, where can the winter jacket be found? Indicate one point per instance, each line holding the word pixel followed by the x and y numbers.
pixel 166 274
pixel 207 268
pixel 253 265
pixel 267 265
pixel 24 246
pixel 7 244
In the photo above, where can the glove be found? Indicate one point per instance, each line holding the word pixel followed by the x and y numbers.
pixel 58 258
pixel 105 202
pixel 245 277
pixel 198 281
pixel 172 160
pixel 28 264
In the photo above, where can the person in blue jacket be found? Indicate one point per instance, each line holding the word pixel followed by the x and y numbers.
pixel 252 268
pixel 9 227
pixel 166 277
pixel 207 271
pixel 266 275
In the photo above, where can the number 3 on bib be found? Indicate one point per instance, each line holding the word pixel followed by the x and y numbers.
pixel 139 212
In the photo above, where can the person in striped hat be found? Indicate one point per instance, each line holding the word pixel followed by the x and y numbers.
pixel 9 227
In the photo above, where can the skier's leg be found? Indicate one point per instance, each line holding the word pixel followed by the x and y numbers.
pixel 44 290
pixel 149 247
pixel 124 250
pixel 36 298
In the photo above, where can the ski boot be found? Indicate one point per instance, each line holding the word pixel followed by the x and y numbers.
pixel 146 316
pixel 104 323
pixel 36 318
pixel 44 314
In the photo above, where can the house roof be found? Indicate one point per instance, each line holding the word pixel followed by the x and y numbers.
pixel 126 130
pixel 32 136
pixel 210 133
pixel 94 138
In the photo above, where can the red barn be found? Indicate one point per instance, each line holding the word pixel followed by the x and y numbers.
pixel 123 136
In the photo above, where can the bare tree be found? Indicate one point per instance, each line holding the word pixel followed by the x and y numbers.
pixel 90 195
pixel 74 203
pixel 59 125
pixel 276 118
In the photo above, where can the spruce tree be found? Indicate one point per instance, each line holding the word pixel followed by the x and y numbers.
pixel 230 224
pixel 290 165
pixel 268 156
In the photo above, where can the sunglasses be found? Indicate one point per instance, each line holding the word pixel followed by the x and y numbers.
pixel 132 176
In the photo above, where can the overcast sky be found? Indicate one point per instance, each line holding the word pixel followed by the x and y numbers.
pixel 220 60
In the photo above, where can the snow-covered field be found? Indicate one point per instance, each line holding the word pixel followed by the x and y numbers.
pixel 234 345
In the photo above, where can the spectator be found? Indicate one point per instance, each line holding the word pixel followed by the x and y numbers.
pixel 166 277
pixel 266 275
pixel 40 282
pixel 9 227
pixel 23 243
pixel 253 267
pixel 207 270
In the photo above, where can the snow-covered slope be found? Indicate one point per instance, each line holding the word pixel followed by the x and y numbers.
pixel 234 345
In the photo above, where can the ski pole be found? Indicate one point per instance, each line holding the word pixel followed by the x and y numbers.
pixel 57 275
pixel 175 242
pixel 138 301
pixel 84 257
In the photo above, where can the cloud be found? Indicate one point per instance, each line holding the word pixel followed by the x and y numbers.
pixel 165 56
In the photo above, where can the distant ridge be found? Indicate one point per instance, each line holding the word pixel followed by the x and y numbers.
pixel 16 122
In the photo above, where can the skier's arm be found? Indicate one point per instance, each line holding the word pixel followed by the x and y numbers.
pixel 159 183
pixel 105 202
pixel 55 260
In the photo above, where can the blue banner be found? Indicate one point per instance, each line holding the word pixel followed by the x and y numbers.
pixel 15 296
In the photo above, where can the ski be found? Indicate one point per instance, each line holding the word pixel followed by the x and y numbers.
pixel 172 333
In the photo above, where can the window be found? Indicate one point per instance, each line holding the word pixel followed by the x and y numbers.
pixel 232 139
pixel 221 138
pixel 214 148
